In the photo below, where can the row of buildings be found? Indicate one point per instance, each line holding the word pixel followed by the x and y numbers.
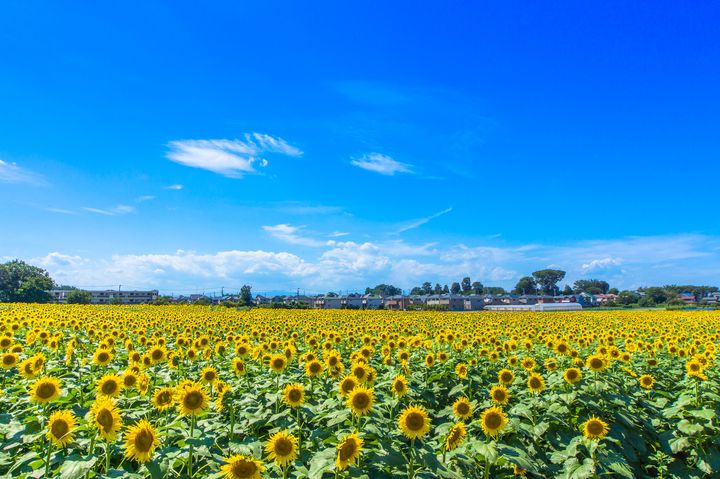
pixel 445 302
pixel 109 296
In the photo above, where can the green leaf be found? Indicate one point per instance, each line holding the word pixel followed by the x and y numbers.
pixel 322 462
pixel 689 428
pixel 76 467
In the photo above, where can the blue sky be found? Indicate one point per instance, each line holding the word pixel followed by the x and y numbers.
pixel 326 146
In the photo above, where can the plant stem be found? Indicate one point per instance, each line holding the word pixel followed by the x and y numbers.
pixel 190 453
pixel 47 458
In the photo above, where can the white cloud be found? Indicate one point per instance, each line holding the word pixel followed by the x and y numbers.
pixel 421 221
pixel 12 173
pixel 337 234
pixel 175 187
pixel 382 164
pixel 62 211
pixel 144 198
pixel 290 234
pixel 636 261
pixel 602 264
pixel 115 211
pixel 231 158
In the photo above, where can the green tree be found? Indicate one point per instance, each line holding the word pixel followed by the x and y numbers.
pixel 77 296
pixel 246 295
pixel 592 286
pixel 627 297
pixel 526 285
pixel 466 285
pixel 21 282
pixel 384 290
pixel 548 279
pixel 613 291
pixel 427 288
pixel 438 289
pixel 567 291
pixel 445 290
pixel 455 288
pixel 494 290
pixel 477 287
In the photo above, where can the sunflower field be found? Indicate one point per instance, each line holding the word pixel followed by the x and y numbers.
pixel 201 392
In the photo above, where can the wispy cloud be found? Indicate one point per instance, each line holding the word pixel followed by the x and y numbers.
pixel 421 221
pixel 337 234
pixel 62 211
pixel 291 234
pixel 383 164
pixel 230 158
pixel 115 211
pixel 12 173
pixel 144 198
pixel 174 187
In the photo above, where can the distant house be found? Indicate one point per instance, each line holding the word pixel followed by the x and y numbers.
pixel 449 302
pixel 687 298
pixel 353 302
pixel 538 307
pixel 261 300
pixel 110 296
pixel 473 302
pixel 712 298
pixel 372 302
pixel 604 298
pixel 397 303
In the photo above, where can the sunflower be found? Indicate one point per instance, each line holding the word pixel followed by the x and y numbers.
pixel 157 354
pixel 596 363
pixel 60 428
pixel 461 370
pixel 239 367
pixel 646 381
pixel 106 418
pixel 462 408
pixel 499 394
pixel 294 395
pixel 27 368
pixel 45 390
pixel 102 357
pixel 163 398
pixel 361 400
pixel 209 375
pixel 493 420
pixel 348 383
pixel 572 375
pixel 429 360
pixel 141 441
pixel 348 451
pixel 9 360
pixel 399 386
pixel 129 379
pixel 595 428
pixel 506 377
pixel 242 467
pixel 360 371
pixel 109 385
pixel 278 362
pixel 313 368
pixel 536 383
pixel 456 436
pixel 414 422
pixel 528 364
pixel 282 448
pixel 191 400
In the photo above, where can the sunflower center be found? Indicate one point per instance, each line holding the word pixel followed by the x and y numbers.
pixel 105 419
pixel 347 450
pixel 596 363
pixel 209 376
pixel 499 395
pixel 193 400
pixel 463 408
pixel 572 374
pixel 348 386
pixel 8 360
pixel 315 368
pixel 595 428
pixel 144 440
pixel 283 447
pixel 157 354
pixel 506 377
pixel 102 357
pixel 294 395
pixel 535 383
pixel 278 363
pixel 164 398
pixel 46 390
pixel 415 421
pixel 243 468
pixel 59 428
pixel 129 381
pixel 493 421
pixel 361 400
pixel 109 387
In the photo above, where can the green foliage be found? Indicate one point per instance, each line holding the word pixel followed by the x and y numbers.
pixel 526 285
pixel 21 282
pixel 77 296
pixel 246 298
pixel 548 279
pixel 383 290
